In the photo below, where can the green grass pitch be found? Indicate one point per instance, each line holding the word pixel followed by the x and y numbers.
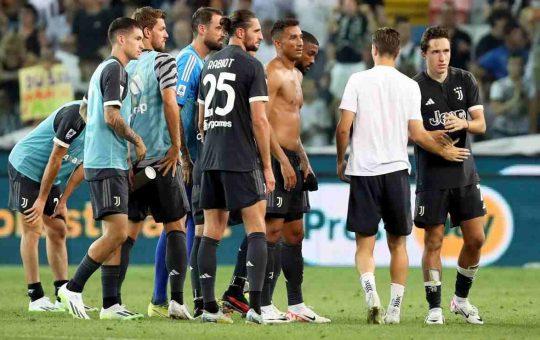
pixel 508 299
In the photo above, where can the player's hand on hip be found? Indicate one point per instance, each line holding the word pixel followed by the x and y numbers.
pixel 289 175
pixel 341 166
pixel 453 123
pixel 187 168
pixel 33 215
pixel 60 209
pixel 170 161
pixel 140 150
pixel 442 138
pixel 454 154
pixel 269 180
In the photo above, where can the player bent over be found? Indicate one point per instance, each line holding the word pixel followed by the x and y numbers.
pixel 38 164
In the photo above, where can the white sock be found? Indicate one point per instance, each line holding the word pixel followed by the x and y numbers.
pixel 396 295
pixel 368 282
pixel 469 272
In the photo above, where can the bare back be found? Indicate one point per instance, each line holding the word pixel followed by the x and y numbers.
pixel 285 102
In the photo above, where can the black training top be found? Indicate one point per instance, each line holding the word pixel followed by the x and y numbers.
pixel 230 80
pixel 457 95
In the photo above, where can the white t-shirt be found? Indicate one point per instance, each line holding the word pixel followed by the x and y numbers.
pixel 383 100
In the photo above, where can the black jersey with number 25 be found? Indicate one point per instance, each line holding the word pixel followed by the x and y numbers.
pixel 230 80
pixel 456 95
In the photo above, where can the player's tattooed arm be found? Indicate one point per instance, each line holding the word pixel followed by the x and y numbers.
pixel 114 120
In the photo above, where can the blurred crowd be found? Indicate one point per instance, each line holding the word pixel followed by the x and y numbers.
pixel 497 40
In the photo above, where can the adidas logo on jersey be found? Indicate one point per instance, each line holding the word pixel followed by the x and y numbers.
pixel 205 276
pixel 249 264
pixel 430 102
pixel 173 273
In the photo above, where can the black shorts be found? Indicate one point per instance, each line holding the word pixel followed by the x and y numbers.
pixel 385 196
pixel 235 216
pixel 164 198
pixel 231 190
pixel 433 206
pixel 24 191
pixel 109 191
pixel 290 205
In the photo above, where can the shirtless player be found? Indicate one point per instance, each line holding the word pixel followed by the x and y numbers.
pixel 293 173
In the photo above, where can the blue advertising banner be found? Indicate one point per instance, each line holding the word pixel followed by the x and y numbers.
pixel 512 202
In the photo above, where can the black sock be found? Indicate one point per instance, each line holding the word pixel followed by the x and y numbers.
pixel 176 261
pixel 463 285
pixel 207 272
pixel 124 263
pixel 57 284
pixel 240 267
pixel 194 265
pixel 35 291
pixel 236 287
pixel 83 273
pixel 277 267
pixel 433 296
pixel 109 284
pixel 293 269
pixel 256 259
pixel 266 295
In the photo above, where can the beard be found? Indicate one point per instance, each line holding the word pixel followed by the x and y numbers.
pixel 212 45
pixel 252 47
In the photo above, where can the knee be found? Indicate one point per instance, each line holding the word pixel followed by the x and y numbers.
pixel 57 235
pixel 433 243
pixel 294 237
pixel 118 237
pixel 273 234
pixel 396 244
pixel 475 242
pixel 32 231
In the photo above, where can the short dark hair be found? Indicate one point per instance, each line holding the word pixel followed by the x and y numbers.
pixel 121 24
pixel 238 19
pixel 433 32
pixel 147 16
pixel 511 27
pixel 309 38
pixel 32 9
pixel 280 25
pixel 386 40
pixel 498 14
pixel 203 16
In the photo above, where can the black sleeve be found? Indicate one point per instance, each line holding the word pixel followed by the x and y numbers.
pixel 258 90
pixel 68 125
pixel 472 91
pixel 201 96
pixel 112 77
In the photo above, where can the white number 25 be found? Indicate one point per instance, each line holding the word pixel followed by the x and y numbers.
pixel 219 85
